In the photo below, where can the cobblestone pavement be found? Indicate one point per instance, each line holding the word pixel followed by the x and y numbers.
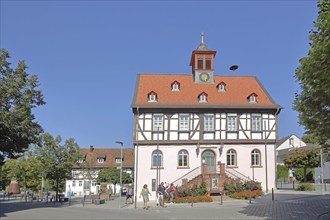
pixel 286 205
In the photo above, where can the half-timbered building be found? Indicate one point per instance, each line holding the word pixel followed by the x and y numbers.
pixel 188 125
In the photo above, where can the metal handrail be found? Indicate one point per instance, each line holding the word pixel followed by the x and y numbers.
pixel 236 175
pixel 190 175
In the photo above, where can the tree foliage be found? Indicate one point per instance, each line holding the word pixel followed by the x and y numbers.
pixel 26 170
pixel 303 159
pixel 281 172
pixel 18 96
pixel 313 76
pixel 112 175
pixel 57 159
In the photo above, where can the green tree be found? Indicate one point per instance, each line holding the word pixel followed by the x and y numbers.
pixel 26 170
pixel 313 76
pixel 112 175
pixel 18 96
pixel 303 159
pixel 281 172
pixel 57 159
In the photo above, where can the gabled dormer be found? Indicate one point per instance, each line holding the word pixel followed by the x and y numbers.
pixel 252 98
pixel 221 87
pixel 202 98
pixel 152 96
pixel 175 86
pixel 202 63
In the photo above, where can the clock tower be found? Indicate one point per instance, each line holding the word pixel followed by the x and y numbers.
pixel 202 63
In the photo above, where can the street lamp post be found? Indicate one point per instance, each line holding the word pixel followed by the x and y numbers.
pixel 121 169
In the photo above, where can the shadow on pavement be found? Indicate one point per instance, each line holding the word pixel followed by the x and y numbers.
pixel 290 206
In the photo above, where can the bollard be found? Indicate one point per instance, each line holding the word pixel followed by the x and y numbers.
pixel 221 198
pixel 272 194
pixel 250 195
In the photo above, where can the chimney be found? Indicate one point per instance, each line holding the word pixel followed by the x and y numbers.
pixel 91 148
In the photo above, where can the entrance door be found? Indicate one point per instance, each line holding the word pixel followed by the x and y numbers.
pixel 208 158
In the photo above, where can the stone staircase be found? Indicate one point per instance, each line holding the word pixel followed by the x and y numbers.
pixel 214 181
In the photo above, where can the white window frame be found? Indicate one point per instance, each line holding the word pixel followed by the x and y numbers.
pixel 256 123
pixel 252 99
pixel 255 157
pixel 80 183
pixel 232 157
pixel 100 160
pixel 152 97
pixel 183 122
pixel 155 162
pixel 202 98
pixel 73 183
pixel 221 87
pixel 158 122
pixel 231 122
pixel 118 160
pixel 183 158
pixel 208 122
pixel 175 87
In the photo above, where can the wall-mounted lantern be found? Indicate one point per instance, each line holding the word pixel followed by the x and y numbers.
pixel 197 149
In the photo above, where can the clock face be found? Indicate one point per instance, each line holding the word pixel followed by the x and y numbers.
pixel 204 77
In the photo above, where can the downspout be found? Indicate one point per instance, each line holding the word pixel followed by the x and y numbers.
pixel 275 152
pixel 136 129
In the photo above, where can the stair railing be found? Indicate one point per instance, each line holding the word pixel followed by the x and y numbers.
pixel 236 175
pixel 188 176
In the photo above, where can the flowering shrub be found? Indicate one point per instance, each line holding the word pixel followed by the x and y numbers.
pixel 194 199
pixel 246 194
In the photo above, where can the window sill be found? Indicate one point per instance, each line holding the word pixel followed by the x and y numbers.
pixel 231 166
pixel 183 167
pixel 155 168
pixel 232 131
pixel 256 166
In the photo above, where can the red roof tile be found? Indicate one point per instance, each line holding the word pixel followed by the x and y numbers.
pixel 238 88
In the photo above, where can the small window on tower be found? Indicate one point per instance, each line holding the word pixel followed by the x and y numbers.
pixel 208 63
pixel 200 63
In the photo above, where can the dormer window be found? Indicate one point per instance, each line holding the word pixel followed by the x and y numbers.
pixel 252 98
pixel 202 98
pixel 221 87
pixel 80 161
pixel 152 97
pixel 175 86
pixel 100 160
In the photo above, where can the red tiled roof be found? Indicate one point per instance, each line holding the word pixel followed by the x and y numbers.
pixel 110 155
pixel 238 88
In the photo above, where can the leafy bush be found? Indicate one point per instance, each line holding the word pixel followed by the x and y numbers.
pixel 305 187
pixel 184 191
pixel 231 186
pixel 246 194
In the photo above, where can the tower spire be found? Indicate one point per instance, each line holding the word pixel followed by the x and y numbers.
pixel 202 41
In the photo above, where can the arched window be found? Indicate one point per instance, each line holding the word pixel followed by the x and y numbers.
pixel 157 159
pixel 231 158
pixel 255 158
pixel 183 158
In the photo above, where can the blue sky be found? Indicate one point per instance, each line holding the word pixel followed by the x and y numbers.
pixel 87 54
